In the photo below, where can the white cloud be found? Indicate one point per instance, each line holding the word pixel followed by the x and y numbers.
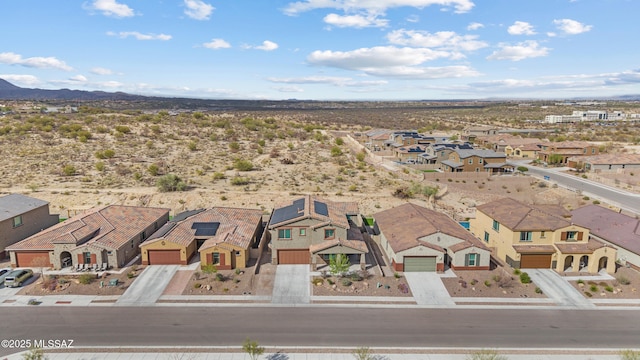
pixel 79 78
pixel 111 8
pixel 355 21
pixel 448 40
pixel 413 18
pixel 374 6
pixel 331 80
pixel 34 62
pixel 289 89
pixel 217 44
pixel 140 36
pixel 266 46
pixel 475 26
pixel 520 51
pixel 101 71
pixel 24 80
pixel 572 27
pixel 197 9
pixel 551 34
pixel 416 72
pixel 521 28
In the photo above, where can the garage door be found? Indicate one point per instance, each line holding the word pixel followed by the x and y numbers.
pixel 32 259
pixel 164 257
pixel 419 263
pixel 535 261
pixel 294 256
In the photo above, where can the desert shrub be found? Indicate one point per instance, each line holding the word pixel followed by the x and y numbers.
pixel 220 277
pixel 218 175
pixel 397 275
pixel 485 354
pixel 524 278
pixel 354 276
pixel 196 275
pixel 608 288
pixel 623 280
pixel 593 288
pixel 473 282
pixel 86 279
pixel 100 166
pixel 123 129
pixel 192 145
pixel 243 165
pixel 596 202
pixel 153 169
pixel 516 271
pixel 239 180
pixel 487 283
pixel 630 355
pixel 209 269
pixel 580 281
pixel 522 168
pixel 538 290
pixel 238 271
pixel 346 282
pixel 170 182
pixel 336 151
pixel 317 281
pixel 360 156
pixel 588 294
pixel 69 170
pixel 197 286
pixel 330 281
pixel 234 146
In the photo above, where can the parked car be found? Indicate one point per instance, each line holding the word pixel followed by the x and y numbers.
pixel 17 277
pixel 4 273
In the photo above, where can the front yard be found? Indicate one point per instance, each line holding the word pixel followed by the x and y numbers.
pixel 360 284
pixel 220 282
pixel 497 283
pixel 624 286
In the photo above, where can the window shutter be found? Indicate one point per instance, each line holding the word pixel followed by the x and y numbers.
pixel 80 259
pixel 466 259
pixel 477 259
pixel 563 235
pixel 209 258
pixel 222 259
pixel 93 259
pixel 580 235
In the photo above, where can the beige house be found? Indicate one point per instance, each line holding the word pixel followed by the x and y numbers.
pixel 560 152
pixel 605 162
pixel 105 237
pixel 476 161
pixel 310 230
pixel 224 237
pixel 20 217
pixel 419 239
pixel 540 236
pixel 524 151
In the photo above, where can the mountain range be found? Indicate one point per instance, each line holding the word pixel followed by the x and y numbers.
pixel 8 91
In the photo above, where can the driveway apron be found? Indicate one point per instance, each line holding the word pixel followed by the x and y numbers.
pixel 428 289
pixel 149 285
pixel 292 285
pixel 558 289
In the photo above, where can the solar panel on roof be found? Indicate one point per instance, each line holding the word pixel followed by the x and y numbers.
pixel 321 208
pixel 205 228
pixel 186 214
pixel 288 212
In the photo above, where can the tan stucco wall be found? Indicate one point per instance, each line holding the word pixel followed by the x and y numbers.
pixel 185 251
pixel 236 261
pixel 313 236
pixel 419 251
pixel 33 222
pixel 457 259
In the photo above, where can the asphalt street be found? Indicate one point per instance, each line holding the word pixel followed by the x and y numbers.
pixel 327 326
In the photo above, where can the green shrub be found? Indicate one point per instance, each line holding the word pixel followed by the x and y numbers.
pixel 69 170
pixel 522 168
pixel 516 271
pixel 608 288
pixel 485 354
pixel 197 285
pixel 218 175
pixel 336 151
pixel 170 182
pixel 243 165
pixel 629 355
pixel 86 279
pixel 346 282
pixel 538 290
pixel 588 294
pixel 524 278
pixel 153 169
pixel 123 129
pixel 220 277
pixel 487 283
pixel 580 281
pixel 339 141
pixel 623 280
pixel 593 288
pixel 239 180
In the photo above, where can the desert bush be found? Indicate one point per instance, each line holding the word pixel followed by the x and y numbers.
pixel 220 277
pixel 593 288
pixel 100 166
pixel 243 165
pixel 153 169
pixel 346 282
pixel 336 151
pixel 485 354
pixel 339 141
pixel 629 355
pixel 86 279
pixel 69 170
pixel 209 269
pixel 623 280
pixel 170 182
pixel 234 146
pixel 608 288
pixel 588 294
pixel 538 290
pixel 197 286
pixel 487 283
pixel 524 278
pixel 317 281
pixel 239 180
pixel 123 129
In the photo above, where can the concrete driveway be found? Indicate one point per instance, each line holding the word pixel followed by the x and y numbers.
pixel 292 285
pixel 428 289
pixel 149 285
pixel 558 289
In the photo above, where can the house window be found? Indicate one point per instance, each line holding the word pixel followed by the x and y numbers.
pixel 593 150
pixel 143 236
pixel 215 258
pixel 17 221
pixel 584 151
pixel 284 233
pixel 303 232
pixel 496 225
pixel 132 244
pixel 238 253
pixel 87 257
pixel 480 161
pixel 542 234
pixel 525 236
pixel 486 236
pixel 329 233
pixel 571 235
pixel 472 259
pixel 442 153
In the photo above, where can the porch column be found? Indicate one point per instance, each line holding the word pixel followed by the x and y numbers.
pixel 363 262
pixel 314 262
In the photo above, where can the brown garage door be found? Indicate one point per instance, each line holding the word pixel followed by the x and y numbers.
pixel 294 256
pixel 32 259
pixel 164 257
pixel 535 261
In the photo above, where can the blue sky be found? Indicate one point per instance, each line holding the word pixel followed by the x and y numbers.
pixel 325 49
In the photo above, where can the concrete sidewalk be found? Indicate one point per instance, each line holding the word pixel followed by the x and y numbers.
pixel 149 286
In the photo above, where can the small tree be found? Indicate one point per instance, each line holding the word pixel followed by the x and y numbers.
pixel 630 355
pixel 362 353
pixel 171 182
pixel 253 349
pixel 34 354
pixel 339 264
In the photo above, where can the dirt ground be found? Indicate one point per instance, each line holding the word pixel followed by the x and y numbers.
pixel 374 285
pixel 70 284
pixel 499 283
pixel 625 286
pixel 222 282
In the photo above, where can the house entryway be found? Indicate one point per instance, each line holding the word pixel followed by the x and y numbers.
pixel 65 259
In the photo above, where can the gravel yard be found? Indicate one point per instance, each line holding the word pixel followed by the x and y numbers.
pixel 499 283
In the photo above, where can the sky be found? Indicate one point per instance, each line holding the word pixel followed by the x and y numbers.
pixel 325 49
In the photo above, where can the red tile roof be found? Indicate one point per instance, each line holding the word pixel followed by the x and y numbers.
pixel 618 229
pixel 519 216
pixel 337 211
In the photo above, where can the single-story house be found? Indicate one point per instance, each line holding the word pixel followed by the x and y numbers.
pixel 605 162
pixel 310 230
pixel 224 237
pixel 107 235
pixel 419 239
pixel 613 228
pixel 20 217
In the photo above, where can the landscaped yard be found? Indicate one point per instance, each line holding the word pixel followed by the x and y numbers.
pixel 372 285
pixel 499 283
pixel 89 283
pixel 626 285
pixel 220 282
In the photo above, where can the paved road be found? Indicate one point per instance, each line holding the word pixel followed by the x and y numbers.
pixel 328 326
pixel 149 285
pixel 558 289
pixel 427 288
pixel 292 285
pixel 624 199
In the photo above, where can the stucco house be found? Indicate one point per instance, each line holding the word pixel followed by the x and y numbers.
pixel 560 152
pixel 618 230
pixel 20 217
pixel 107 235
pixel 224 237
pixel 476 161
pixel 309 230
pixel 605 162
pixel 540 236
pixel 419 239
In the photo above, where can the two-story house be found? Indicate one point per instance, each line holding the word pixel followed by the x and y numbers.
pixel 476 161
pixel 20 217
pixel 310 230
pixel 560 152
pixel 539 236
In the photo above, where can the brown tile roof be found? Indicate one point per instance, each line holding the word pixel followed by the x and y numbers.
pixel 337 212
pixel 108 227
pixel 529 147
pixel 580 248
pixel 405 224
pixel 618 229
pixel 519 216
pixel 534 249
pixel 236 227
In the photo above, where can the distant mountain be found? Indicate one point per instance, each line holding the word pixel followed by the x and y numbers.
pixel 8 91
